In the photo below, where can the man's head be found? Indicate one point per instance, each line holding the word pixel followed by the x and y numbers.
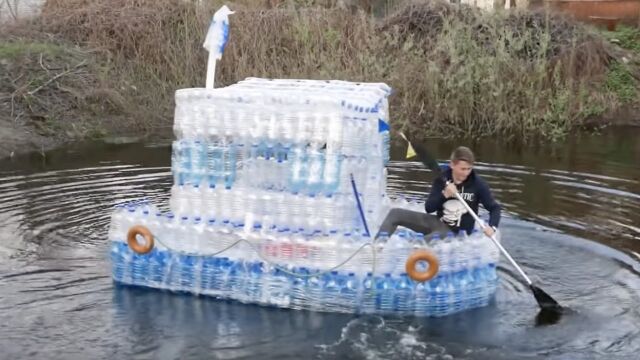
pixel 461 163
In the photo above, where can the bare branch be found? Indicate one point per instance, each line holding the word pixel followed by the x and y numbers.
pixel 32 92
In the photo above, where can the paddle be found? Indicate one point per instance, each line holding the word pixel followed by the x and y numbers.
pixel 545 301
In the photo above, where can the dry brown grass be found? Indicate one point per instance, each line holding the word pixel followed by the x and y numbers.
pixel 455 70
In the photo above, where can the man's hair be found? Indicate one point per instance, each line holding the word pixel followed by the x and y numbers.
pixel 463 153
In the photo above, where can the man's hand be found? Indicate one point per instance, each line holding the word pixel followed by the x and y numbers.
pixel 488 230
pixel 450 190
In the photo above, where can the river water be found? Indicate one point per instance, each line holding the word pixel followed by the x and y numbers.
pixel 571 218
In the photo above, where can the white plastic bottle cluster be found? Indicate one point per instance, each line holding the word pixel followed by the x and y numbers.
pixel 246 149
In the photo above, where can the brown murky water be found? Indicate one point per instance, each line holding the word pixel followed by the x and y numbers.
pixel 571 219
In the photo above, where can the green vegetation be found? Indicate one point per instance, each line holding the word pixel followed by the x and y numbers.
pixel 627 37
pixel 16 49
pixel 621 82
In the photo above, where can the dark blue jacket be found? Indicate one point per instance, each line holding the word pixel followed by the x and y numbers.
pixel 474 191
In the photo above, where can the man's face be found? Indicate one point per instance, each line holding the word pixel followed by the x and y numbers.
pixel 460 170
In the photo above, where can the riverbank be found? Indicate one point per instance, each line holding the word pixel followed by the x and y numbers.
pixel 107 68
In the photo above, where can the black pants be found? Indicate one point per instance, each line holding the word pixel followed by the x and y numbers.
pixel 416 221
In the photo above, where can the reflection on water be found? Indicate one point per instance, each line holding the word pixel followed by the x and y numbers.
pixel 571 220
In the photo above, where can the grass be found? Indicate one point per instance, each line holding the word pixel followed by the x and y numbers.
pixel 14 50
pixel 455 70
pixel 627 37
pixel 621 82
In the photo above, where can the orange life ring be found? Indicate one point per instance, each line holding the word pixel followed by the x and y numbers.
pixel 136 230
pixel 422 255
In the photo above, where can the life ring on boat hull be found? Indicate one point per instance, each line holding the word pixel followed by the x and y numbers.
pixel 422 255
pixel 134 244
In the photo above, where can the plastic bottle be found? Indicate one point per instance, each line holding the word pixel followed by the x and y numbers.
pixel 279 288
pixel 176 161
pixel 403 297
pixel 214 162
pixel 158 268
pixel 299 170
pixel 116 226
pixel 229 164
pixel 299 296
pixel 184 168
pixel 349 292
pixel 385 293
pixel 235 276
pixel 253 286
pixel 331 291
pixel 120 260
pixel 315 291
pixel 314 179
pixel 199 157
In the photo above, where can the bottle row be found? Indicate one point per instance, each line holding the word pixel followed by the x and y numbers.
pixel 298 287
pixel 250 205
pixel 311 247
pixel 297 169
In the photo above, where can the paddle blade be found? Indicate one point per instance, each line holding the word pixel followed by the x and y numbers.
pixel 410 151
pixel 544 300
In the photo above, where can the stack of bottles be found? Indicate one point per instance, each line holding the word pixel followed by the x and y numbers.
pixel 262 209
pixel 261 143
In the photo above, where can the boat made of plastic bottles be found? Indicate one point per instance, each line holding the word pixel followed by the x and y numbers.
pixel 263 211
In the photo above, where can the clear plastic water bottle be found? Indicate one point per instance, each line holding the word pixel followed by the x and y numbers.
pixel 140 273
pixel 298 176
pixel 386 140
pixel 279 289
pixel 441 296
pixel 187 267
pixel 221 277
pixel 385 293
pixel 368 296
pixel 214 163
pixel 349 292
pixel 253 286
pixel 120 260
pixel 331 175
pixel 315 287
pixel 403 300
pixel 422 303
pixel 176 161
pixel 116 226
pixel 331 291
pixel 185 168
pixel 210 265
pixel 229 164
pixel 299 297
pixel 236 276
pixel 315 173
pixel 199 159
pixel 334 134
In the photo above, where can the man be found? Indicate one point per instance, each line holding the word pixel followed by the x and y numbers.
pixel 461 178
pixel 451 214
